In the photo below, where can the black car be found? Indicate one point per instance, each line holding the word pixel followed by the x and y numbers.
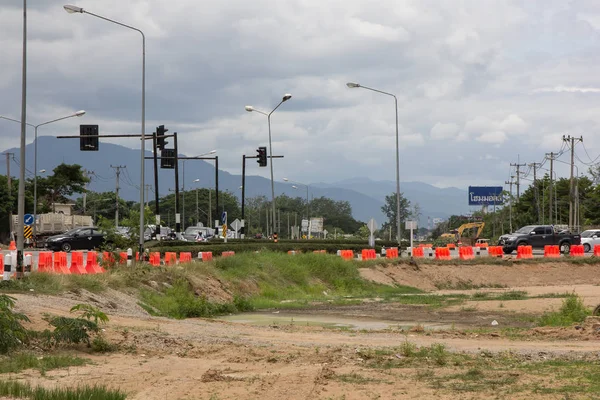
pixel 77 239
pixel 538 236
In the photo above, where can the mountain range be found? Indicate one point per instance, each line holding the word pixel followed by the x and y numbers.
pixel 366 196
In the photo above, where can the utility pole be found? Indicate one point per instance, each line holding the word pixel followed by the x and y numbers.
pixel 551 157
pixel 9 183
pixel 118 172
pixel 147 193
pixel 177 215
pixel 535 190
pixel 518 183
pixel 86 174
pixel 571 141
pixel 510 202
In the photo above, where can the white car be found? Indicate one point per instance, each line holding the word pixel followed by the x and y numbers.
pixel 589 239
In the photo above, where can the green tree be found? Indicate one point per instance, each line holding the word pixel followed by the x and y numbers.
pixel 390 210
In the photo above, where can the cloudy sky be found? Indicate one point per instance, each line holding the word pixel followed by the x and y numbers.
pixel 480 83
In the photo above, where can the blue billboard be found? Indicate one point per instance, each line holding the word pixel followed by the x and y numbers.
pixel 485 195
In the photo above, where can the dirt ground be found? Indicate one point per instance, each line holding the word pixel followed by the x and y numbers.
pixel 160 359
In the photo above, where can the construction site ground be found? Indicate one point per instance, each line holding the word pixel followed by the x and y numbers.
pixel 164 359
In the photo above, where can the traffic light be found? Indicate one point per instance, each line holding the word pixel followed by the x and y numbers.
pixel 88 137
pixel 167 158
pixel 160 138
pixel 262 156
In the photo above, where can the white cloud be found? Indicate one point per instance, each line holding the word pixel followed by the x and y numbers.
pixel 497 137
pixel 444 131
pixel 567 89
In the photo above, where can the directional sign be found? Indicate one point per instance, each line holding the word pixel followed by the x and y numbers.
pixel 224 218
pixel 236 225
pixel 28 219
pixel 27 232
pixel 372 225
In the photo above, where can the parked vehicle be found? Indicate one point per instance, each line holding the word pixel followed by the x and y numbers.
pixel 538 236
pixel 198 233
pixel 77 239
pixel 589 239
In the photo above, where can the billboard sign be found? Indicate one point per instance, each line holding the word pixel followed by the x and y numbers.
pixel 485 195
pixel 316 225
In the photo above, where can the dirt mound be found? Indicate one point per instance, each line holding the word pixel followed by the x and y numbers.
pixel 588 330
pixel 440 276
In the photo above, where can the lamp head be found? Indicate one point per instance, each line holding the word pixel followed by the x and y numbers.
pixel 80 113
pixel 295 187
pixel 42 171
pixel 196 180
pixel 285 179
pixel 249 108
pixel 286 97
pixel 212 152
pixel 352 85
pixel 73 9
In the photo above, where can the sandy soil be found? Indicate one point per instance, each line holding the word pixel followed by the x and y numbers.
pixel 163 359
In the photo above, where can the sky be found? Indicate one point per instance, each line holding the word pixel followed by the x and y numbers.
pixel 479 84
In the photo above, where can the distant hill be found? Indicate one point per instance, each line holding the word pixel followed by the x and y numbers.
pixel 365 195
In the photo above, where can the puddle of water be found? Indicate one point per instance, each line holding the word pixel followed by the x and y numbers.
pixel 281 318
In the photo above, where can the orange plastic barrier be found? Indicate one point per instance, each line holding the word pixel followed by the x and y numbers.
pixel 207 256
pixel 347 254
pixel 12 245
pixel 320 251
pixel 228 254
pixel 577 250
pixel 597 250
pixel 495 251
pixel 185 257
pixel 442 253
pixel 91 263
pixel 466 253
pixel 292 252
pixel 155 259
pixel 107 258
pixel 170 258
pixel 418 252
pixel 45 261
pixel 77 263
pixel 482 245
pixel 391 252
pixel 368 254
pixel 451 246
pixel 551 251
pixel 60 263
pixel 524 252
pixel 122 257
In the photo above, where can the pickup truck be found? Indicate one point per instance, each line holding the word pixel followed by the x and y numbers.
pixel 538 236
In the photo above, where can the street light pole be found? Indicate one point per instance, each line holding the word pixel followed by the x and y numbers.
pixel 356 85
pixel 73 9
pixel 307 203
pixel 21 198
pixel 286 97
pixel 35 152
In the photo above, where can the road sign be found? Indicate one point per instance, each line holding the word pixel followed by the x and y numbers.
pixel 410 224
pixel 27 232
pixel 372 225
pixel 224 218
pixel 236 225
pixel 28 219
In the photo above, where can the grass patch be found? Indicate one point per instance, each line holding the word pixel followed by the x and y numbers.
pixel 553 295
pixel 22 361
pixel 571 311
pixel 355 379
pixel 180 301
pixel 468 284
pixel 87 392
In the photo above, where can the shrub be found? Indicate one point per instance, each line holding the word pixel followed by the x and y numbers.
pixel 74 330
pixel 572 311
pixel 12 332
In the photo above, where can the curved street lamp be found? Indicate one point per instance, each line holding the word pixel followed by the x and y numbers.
pixel 79 113
pixel 353 85
pixel 285 98
pixel 74 9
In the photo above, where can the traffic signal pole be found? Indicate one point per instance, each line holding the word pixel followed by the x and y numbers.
pixel 244 157
pixel 177 215
pixel 156 196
